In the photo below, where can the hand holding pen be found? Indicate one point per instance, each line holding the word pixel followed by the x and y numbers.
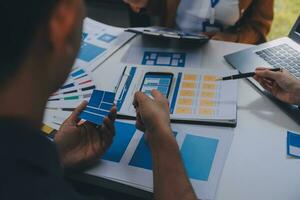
pixel 246 75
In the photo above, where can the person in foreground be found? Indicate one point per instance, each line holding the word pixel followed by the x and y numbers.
pixel 42 39
pixel 283 85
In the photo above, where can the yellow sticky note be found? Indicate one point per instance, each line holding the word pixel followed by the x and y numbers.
pixel 47 129
pixel 183 110
pixel 210 78
pixel 187 93
pixel 190 77
pixel 209 86
pixel 206 111
pixel 191 85
pixel 208 94
pixel 208 103
pixel 185 101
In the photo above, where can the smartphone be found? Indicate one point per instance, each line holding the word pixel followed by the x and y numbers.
pixel 157 80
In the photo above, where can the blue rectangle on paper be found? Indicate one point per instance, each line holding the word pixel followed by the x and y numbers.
pixel 97 108
pixel 96 98
pixel 67 86
pixel 294 139
pixel 96 111
pixel 96 119
pixel 198 154
pixel 88 52
pixel 175 93
pixel 77 73
pixel 124 134
pixel 142 156
pixel 172 59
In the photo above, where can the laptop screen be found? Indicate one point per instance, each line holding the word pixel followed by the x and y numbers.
pixel 295 32
pixel 298 29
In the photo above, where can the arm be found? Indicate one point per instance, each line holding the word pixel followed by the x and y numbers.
pixel 253 26
pixel 170 178
pixel 282 85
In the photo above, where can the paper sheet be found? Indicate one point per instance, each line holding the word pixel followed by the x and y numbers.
pixel 204 151
pixel 194 94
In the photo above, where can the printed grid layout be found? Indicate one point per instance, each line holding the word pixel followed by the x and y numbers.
pixel 98 107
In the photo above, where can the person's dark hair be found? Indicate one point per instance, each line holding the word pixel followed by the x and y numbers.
pixel 19 20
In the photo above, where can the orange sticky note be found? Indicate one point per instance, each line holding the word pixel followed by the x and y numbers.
pixel 208 94
pixel 206 111
pixel 183 110
pixel 191 85
pixel 190 77
pixel 208 103
pixel 209 86
pixel 185 101
pixel 187 93
pixel 210 78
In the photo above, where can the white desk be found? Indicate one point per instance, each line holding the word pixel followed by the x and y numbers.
pixel 257 166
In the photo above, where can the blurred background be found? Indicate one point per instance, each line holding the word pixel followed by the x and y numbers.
pixel 115 12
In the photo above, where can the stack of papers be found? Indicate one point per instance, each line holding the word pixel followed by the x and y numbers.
pixel 99 42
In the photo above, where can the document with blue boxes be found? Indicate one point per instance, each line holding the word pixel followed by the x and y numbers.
pixel 204 151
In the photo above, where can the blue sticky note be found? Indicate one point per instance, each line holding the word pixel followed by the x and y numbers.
pixel 98 107
pixel 293 144
pixel 142 156
pixel 89 52
pixel 124 134
pixel 198 154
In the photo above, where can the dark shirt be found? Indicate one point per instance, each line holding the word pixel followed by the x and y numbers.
pixel 29 164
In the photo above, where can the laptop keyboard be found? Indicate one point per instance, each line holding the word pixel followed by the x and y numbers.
pixel 282 56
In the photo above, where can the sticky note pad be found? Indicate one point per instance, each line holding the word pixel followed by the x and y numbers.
pixel 124 134
pixel 190 77
pixel 210 78
pixel 184 110
pixel 209 86
pixel 188 93
pixel 190 85
pixel 208 94
pixel 185 101
pixel 293 144
pixel 206 111
pixel 98 107
pixel 207 103
pixel 198 154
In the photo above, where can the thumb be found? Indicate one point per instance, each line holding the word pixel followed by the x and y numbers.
pixel 74 117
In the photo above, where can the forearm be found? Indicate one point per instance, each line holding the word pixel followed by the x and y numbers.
pixel 170 178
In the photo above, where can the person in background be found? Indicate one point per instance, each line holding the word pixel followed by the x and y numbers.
pixel 242 21
pixel 40 43
pixel 282 85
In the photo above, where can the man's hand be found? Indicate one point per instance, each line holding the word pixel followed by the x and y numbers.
pixel 136 5
pixel 80 145
pixel 282 85
pixel 153 115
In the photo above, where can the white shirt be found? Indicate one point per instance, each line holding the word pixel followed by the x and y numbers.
pixel 192 13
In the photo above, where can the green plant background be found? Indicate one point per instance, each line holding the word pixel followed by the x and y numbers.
pixel 286 13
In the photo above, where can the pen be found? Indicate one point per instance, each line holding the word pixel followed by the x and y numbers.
pixel 119 82
pixel 245 75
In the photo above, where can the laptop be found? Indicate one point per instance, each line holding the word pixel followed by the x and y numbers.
pixel 283 52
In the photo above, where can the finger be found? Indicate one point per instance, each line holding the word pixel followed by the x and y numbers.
pixel 268 74
pixel 74 117
pixel 140 126
pixel 139 98
pixel 113 113
pixel 109 125
pixel 261 68
pixel 157 95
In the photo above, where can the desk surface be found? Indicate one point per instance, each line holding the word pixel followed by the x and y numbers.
pixel 257 166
